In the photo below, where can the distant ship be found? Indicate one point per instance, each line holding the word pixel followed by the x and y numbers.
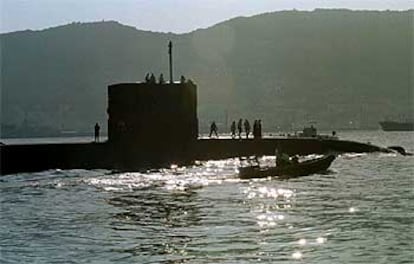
pixel 397 126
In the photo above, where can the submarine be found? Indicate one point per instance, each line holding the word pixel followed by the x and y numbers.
pixel 153 125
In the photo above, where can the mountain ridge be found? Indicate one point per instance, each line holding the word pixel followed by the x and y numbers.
pixel 334 67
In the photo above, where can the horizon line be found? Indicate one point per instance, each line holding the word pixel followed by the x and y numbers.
pixel 202 28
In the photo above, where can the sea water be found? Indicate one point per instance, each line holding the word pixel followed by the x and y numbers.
pixel 360 211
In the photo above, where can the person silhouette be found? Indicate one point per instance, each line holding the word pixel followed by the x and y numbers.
pixel 182 79
pixel 282 159
pixel 147 78
pixel 259 128
pixel 213 129
pixel 161 80
pixel 97 128
pixel 233 129
pixel 239 127
pixel 247 127
pixel 255 130
pixel 152 78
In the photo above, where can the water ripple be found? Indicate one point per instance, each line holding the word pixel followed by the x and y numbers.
pixel 361 212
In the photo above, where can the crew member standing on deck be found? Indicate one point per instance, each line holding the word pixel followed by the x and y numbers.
pixel 213 129
pixel 255 129
pixel 259 129
pixel 247 127
pixel 233 129
pixel 239 127
pixel 97 128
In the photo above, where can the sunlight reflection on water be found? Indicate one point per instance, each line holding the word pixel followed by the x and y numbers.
pixel 357 213
pixel 175 178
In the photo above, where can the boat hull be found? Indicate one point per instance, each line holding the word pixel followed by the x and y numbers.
pixel 397 126
pixel 289 171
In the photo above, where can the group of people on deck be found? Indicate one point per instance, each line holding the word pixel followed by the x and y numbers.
pixel 150 78
pixel 282 158
pixel 238 128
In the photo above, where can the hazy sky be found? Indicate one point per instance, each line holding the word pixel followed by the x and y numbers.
pixel 161 15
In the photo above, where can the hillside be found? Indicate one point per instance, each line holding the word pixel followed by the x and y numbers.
pixel 339 68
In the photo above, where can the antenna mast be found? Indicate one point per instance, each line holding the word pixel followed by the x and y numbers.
pixel 170 56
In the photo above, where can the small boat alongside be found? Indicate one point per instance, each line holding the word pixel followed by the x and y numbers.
pixel 397 126
pixel 292 170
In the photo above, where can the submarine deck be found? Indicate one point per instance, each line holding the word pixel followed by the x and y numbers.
pixel 17 158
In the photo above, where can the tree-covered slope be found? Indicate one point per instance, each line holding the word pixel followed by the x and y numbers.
pixel 339 68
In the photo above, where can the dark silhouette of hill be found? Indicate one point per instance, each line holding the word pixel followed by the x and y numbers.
pixel 339 68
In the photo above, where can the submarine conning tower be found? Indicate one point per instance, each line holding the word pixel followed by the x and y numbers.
pixel 152 123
